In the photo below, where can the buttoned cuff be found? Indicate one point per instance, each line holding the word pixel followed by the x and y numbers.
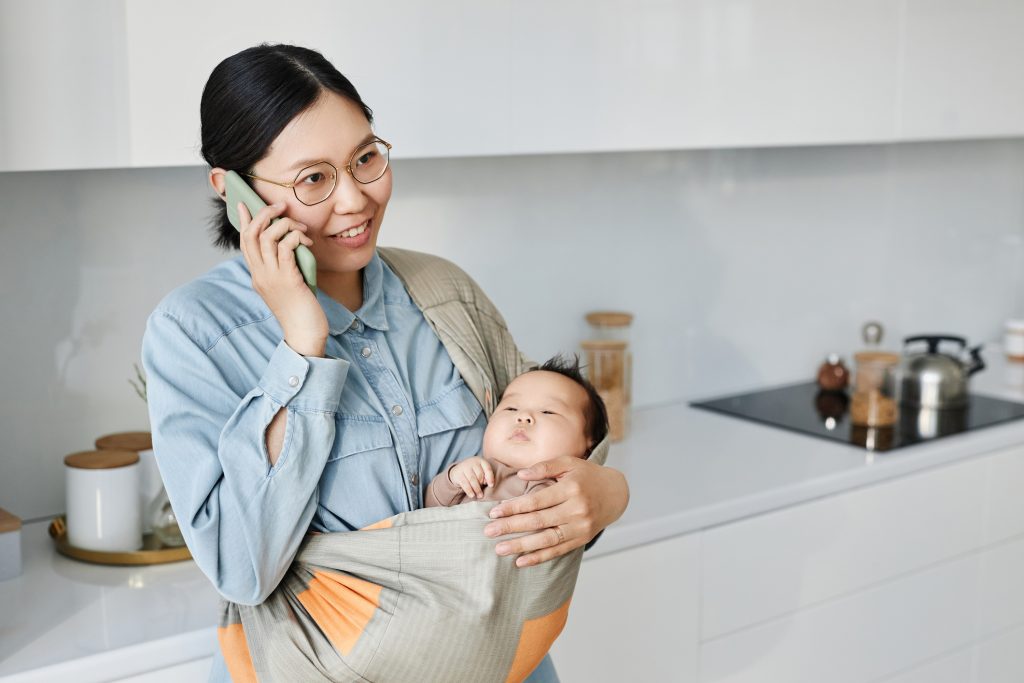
pixel 304 383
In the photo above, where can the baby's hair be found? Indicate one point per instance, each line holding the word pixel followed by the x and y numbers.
pixel 595 414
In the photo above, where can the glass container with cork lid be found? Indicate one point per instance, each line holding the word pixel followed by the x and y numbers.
pixel 609 366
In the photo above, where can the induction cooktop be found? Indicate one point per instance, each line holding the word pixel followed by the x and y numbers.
pixel 806 409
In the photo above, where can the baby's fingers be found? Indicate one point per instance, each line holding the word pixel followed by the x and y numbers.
pixel 470 485
pixel 488 472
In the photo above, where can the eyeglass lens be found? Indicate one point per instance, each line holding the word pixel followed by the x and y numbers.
pixel 315 183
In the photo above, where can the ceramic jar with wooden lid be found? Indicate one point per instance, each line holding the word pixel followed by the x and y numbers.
pixel 103 500
pixel 150 483
pixel 609 366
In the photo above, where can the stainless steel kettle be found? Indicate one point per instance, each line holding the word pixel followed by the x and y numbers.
pixel 931 379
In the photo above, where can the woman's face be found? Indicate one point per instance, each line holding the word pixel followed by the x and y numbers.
pixel 330 130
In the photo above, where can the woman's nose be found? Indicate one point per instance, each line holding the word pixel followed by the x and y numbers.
pixel 348 195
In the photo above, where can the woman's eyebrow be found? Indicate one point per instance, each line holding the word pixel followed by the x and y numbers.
pixel 299 165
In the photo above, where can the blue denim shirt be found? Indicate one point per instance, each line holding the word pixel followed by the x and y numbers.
pixel 367 428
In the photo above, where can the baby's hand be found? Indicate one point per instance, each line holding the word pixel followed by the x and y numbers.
pixel 471 475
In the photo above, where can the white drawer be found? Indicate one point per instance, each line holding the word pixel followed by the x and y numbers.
pixel 885 630
pixel 771 565
pixel 634 617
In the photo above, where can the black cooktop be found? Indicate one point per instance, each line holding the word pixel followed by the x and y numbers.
pixel 804 408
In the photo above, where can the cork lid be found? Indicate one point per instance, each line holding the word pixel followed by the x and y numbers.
pixel 603 345
pixel 101 460
pixel 877 357
pixel 609 318
pixel 8 522
pixel 125 441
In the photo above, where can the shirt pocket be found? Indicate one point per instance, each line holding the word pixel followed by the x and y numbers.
pixel 360 433
pixel 456 407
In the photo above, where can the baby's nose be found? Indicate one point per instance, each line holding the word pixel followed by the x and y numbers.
pixel 524 418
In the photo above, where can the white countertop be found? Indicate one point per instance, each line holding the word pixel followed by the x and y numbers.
pixel 688 470
pixel 691 469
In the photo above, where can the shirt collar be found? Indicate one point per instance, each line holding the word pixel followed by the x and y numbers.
pixel 371 313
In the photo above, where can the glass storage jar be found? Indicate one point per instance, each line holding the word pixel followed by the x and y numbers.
pixel 873 403
pixel 609 367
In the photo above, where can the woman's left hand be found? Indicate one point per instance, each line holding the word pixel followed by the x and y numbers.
pixel 585 498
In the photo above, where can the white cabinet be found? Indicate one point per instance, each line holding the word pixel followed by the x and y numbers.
pixel 196 671
pixel 872 583
pixel 634 617
pixel 963 69
pixel 118 82
pixel 63 85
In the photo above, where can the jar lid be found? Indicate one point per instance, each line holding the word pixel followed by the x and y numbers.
pixel 8 522
pixel 101 460
pixel 603 345
pixel 880 357
pixel 125 441
pixel 1015 325
pixel 609 318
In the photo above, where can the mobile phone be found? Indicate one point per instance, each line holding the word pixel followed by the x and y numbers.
pixel 239 191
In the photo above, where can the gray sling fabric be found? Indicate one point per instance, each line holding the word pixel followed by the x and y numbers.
pixel 420 597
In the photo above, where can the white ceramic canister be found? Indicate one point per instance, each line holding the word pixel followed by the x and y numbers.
pixel 103 500
pixel 150 483
pixel 1013 340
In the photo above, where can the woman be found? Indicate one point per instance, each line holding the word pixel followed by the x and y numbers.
pixel 276 410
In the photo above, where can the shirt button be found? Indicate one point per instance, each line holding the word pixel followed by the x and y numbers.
pixel 293 381
pixel 354 325
pixel 365 353
pixel 396 410
pixel 414 480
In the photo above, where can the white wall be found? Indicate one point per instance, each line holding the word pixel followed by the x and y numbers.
pixel 744 267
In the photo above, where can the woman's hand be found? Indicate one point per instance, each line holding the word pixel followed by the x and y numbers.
pixel 585 499
pixel 270 252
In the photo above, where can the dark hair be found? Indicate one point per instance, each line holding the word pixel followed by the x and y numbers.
pixel 595 414
pixel 249 99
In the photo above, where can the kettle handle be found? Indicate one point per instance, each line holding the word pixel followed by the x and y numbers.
pixel 976 362
pixel 934 340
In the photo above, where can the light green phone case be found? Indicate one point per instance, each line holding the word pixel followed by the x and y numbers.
pixel 239 191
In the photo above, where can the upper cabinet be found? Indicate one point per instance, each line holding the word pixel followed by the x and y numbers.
pixel 118 82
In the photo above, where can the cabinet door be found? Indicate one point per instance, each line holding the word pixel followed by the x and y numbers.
pixel 634 617
pixel 456 78
pixel 63 85
pixel 196 671
pixel 964 66
pixel 758 569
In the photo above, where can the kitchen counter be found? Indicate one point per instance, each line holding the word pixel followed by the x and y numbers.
pixel 688 470
pixel 691 469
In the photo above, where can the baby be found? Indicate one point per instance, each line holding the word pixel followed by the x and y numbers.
pixel 544 413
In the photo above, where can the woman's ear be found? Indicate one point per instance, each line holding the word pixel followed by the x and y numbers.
pixel 217 181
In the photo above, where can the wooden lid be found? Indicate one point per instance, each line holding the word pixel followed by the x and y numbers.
pixel 101 460
pixel 125 441
pixel 609 318
pixel 8 522
pixel 879 357
pixel 603 345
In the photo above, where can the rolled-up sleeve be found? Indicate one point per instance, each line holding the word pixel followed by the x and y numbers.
pixel 242 519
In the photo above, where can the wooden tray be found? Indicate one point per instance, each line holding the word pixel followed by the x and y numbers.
pixel 152 552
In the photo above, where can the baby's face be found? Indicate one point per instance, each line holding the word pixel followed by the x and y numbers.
pixel 540 417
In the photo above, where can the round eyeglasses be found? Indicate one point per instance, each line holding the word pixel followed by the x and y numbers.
pixel 314 184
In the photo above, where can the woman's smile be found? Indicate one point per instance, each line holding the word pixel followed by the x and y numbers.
pixel 354 237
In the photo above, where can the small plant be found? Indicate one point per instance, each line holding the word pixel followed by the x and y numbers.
pixel 139 383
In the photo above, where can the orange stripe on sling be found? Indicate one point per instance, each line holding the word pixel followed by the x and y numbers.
pixel 236 653
pixel 536 638
pixel 341 605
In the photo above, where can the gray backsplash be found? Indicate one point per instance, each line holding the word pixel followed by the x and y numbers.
pixel 743 267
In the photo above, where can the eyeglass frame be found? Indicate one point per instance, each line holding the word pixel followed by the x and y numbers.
pixel 348 168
